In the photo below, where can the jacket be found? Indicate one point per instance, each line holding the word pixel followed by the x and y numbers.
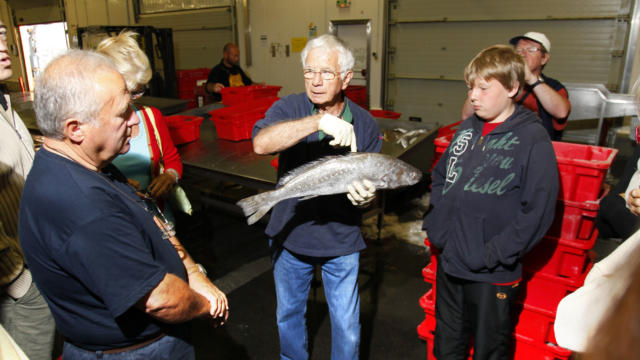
pixel 169 154
pixel 493 197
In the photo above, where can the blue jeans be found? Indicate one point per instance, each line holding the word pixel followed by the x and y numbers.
pixel 166 348
pixel 292 274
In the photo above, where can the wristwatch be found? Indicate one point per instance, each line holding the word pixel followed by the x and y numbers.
pixel 201 269
pixel 174 172
pixel 538 82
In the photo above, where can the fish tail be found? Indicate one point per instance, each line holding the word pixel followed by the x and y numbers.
pixel 256 206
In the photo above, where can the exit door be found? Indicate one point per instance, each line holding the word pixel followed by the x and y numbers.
pixel 357 35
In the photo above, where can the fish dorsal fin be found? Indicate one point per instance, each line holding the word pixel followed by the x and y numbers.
pixel 305 167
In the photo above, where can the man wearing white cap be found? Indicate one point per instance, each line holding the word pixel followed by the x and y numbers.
pixel 541 94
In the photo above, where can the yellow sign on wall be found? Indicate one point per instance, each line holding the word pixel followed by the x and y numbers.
pixel 297 44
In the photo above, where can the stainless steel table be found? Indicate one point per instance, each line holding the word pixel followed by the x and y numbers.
pixel 235 160
pixel 167 106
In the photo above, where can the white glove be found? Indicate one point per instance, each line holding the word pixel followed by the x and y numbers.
pixel 341 131
pixel 361 193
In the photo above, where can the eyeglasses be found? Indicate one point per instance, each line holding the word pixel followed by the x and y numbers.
pixel 324 73
pixel 135 95
pixel 530 50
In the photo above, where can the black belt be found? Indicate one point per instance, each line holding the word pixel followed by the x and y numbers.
pixel 134 346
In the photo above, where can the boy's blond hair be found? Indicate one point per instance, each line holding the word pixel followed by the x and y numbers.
pixel 498 62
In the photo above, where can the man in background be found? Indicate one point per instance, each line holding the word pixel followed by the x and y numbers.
pixel 23 312
pixel 541 94
pixel 226 73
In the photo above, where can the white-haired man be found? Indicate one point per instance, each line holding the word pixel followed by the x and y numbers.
pixel 541 94
pixel 323 231
pixel 119 285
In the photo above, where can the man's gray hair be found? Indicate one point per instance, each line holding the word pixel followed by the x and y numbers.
pixel 331 43
pixel 69 88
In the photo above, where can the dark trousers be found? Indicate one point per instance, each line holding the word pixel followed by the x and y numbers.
pixel 468 310
pixel 614 220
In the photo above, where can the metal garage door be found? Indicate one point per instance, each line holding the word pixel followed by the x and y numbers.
pixel 431 41
pixel 198 35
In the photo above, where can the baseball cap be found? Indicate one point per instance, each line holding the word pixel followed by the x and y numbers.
pixel 535 36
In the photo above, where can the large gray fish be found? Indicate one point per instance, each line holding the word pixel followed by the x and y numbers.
pixel 331 175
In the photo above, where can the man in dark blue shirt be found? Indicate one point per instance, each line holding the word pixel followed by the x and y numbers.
pixel 325 230
pixel 117 281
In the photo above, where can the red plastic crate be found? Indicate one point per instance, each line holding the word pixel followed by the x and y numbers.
pixel 429 275
pixel 192 74
pixel 528 349
pixel 236 122
pixel 448 130
pixel 187 94
pixel 428 302
pixel 441 143
pixel 427 327
pixel 357 94
pixel 241 94
pixel 385 114
pixel 545 291
pixel 433 253
pixel 429 271
pixel 187 79
pixel 183 128
pixel 582 169
pixel 575 221
pixel 536 324
pixel 559 257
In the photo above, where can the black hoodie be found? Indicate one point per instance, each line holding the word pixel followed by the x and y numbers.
pixel 493 197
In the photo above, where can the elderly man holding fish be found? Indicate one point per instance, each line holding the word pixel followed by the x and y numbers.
pixel 323 230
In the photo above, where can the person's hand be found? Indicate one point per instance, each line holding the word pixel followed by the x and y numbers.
pixel 361 193
pixel 217 87
pixel 633 201
pixel 219 309
pixel 341 131
pixel 529 78
pixel 162 185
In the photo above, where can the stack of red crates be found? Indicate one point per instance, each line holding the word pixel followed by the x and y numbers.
pixel 187 84
pixel 183 128
pixel 558 265
pixel 242 94
pixel 236 122
pixel 357 94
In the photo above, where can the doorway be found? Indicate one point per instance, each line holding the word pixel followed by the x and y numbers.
pixel 40 44
pixel 357 35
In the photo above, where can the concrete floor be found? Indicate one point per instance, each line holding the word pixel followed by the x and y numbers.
pixel 236 256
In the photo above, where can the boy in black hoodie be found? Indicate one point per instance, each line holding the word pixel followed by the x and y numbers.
pixel 493 195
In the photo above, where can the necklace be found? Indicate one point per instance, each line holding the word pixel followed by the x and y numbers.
pixel 150 206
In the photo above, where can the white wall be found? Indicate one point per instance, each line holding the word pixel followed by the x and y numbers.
pixel 280 21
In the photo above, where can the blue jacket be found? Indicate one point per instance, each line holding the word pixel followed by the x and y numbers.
pixel 325 225
pixel 493 197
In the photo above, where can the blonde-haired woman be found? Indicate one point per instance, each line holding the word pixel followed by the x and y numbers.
pixel 153 161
